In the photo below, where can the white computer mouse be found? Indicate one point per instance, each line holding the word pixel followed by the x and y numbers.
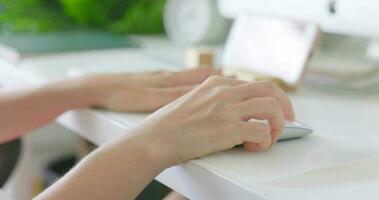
pixel 292 129
pixel 295 129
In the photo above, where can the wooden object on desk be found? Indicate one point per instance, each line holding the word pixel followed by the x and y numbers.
pixel 199 57
pixel 203 57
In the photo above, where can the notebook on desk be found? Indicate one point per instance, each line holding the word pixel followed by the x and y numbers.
pixel 17 46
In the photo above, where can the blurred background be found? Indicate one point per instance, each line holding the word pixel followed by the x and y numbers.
pixel 63 38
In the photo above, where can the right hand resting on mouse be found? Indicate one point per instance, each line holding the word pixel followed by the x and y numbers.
pixel 214 117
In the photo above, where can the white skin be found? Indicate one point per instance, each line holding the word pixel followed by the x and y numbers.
pixel 24 109
pixel 212 117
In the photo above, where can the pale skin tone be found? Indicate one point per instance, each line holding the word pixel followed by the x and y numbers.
pixel 24 109
pixel 209 118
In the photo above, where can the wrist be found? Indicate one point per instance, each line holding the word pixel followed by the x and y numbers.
pixel 66 94
pixel 147 151
pixel 158 149
pixel 85 91
pixel 97 88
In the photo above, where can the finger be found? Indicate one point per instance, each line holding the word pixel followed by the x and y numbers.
pixel 263 108
pixel 189 77
pixel 220 89
pixel 267 89
pixel 144 74
pixel 257 134
pixel 249 146
pixel 157 72
pixel 222 81
pixel 231 77
pixel 160 97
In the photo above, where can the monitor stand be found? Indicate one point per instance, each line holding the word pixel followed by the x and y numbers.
pixel 373 49
pixel 346 65
pixel 343 55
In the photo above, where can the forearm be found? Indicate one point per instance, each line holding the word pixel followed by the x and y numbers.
pixel 190 127
pixel 25 109
pixel 116 171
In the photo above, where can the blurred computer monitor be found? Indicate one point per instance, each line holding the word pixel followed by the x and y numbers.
pixel 348 17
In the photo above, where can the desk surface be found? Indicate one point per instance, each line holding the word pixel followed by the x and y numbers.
pixel 339 161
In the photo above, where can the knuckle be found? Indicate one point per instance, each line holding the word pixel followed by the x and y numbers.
pixel 266 137
pixel 281 123
pixel 216 110
pixel 217 106
pixel 213 80
pixel 278 130
pixel 272 88
pixel 269 85
pixel 222 92
pixel 264 129
pixel 288 101
pixel 262 137
pixel 271 102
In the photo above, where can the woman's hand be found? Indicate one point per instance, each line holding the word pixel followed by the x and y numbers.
pixel 143 92
pixel 212 117
pixel 215 116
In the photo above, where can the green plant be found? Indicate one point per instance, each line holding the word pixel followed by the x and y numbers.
pixel 130 16
pixel 97 13
pixel 143 17
pixel 31 16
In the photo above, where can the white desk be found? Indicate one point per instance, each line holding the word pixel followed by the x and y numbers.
pixel 339 161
